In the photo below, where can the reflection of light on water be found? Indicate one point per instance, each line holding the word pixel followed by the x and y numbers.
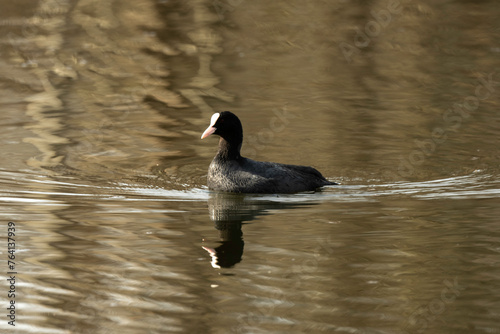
pixel 476 185
pixel 192 194
pixel 488 193
pixel 30 200
pixel 466 186
pixel 213 255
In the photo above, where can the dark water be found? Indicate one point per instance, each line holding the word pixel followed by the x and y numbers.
pixel 103 172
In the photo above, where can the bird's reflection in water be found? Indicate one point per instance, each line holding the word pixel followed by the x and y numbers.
pixel 229 211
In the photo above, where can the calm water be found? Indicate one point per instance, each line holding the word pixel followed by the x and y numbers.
pixel 103 172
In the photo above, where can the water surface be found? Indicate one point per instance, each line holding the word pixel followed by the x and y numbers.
pixel 104 174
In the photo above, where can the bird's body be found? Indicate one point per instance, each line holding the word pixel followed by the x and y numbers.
pixel 231 172
pixel 249 176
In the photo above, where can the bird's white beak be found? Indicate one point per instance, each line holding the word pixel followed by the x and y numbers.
pixel 211 129
pixel 208 132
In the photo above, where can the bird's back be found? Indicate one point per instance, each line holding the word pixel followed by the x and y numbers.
pixel 249 176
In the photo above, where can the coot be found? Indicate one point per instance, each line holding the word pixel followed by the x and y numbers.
pixel 231 172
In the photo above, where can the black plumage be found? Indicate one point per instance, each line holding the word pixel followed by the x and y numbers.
pixel 231 172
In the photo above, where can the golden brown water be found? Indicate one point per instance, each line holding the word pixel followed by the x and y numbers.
pixel 103 172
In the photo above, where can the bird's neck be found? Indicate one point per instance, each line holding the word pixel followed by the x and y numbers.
pixel 229 150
